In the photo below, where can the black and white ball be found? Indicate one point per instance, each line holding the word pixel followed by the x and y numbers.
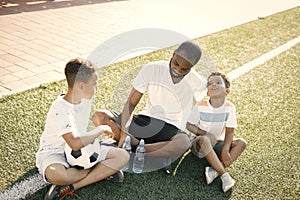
pixel 84 158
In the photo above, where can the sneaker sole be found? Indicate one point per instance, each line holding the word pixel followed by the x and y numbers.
pixel 49 194
pixel 208 180
pixel 120 178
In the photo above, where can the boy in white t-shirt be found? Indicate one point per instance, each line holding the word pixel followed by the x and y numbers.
pixel 171 87
pixel 66 123
pixel 213 120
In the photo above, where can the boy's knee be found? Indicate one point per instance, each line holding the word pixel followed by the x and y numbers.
pixel 204 144
pixel 121 155
pixel 124 155
pixel 203 141
pixel 56 177
pixel 242 143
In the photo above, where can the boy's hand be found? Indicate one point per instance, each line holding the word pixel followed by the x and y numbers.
pixel 225 158
pixel 107 130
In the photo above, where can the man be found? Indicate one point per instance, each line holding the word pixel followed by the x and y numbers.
pixel 170 88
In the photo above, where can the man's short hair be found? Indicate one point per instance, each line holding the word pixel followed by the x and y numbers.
pixel 190 51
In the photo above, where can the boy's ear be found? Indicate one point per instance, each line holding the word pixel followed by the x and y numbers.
pixel 227 91
pixel 79 85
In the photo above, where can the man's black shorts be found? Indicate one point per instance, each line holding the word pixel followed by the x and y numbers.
pixel 150 129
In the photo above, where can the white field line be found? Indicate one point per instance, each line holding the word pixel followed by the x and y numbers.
pixel 23 188
pixel 260 60
pixel 35 182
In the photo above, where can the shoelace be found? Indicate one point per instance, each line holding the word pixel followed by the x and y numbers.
pixel 67 191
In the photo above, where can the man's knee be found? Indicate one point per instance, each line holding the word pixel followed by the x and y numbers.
pixel 103 116
pixel 184 141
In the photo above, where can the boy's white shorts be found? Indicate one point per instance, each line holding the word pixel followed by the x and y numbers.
pixel 45 159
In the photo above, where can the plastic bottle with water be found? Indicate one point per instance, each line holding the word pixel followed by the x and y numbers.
pixel 127 147
pixel 139 159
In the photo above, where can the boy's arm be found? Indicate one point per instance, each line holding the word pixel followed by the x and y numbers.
pixel 77 142
pixel 199 132
pixel 195 129
pixel 225 154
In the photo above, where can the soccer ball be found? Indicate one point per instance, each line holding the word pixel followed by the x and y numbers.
pixel 85 157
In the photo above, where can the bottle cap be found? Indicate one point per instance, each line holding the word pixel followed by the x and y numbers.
pixel 142 142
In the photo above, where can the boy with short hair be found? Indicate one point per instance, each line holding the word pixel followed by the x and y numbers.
pixel 66 123
pixel 213 120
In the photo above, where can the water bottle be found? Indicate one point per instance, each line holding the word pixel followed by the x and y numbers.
pixel 139 159
pixel 127 147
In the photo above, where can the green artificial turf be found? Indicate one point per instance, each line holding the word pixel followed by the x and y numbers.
pixel 267 100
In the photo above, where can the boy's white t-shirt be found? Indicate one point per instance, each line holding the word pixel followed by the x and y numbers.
pixel 64 117
pixel 214 120
pixel 167 101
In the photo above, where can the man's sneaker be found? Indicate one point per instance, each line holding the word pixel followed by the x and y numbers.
pixel 227 182
pixel 117 177
pixel 210 174
pixel 60 192
pixel 167 165
pixel 168 169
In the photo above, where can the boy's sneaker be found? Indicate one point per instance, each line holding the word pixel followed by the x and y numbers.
pixel 60 192
pixel 52 193
pixel 117 177
pixel 227 182
pixel 210 174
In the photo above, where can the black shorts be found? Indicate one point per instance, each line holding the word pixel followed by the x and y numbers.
pixel 150 129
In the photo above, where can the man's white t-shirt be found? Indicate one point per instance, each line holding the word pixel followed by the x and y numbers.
pixel 214 120
pixel 64 117
pixel 167 101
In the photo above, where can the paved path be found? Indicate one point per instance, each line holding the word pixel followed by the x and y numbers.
pixel 37 38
